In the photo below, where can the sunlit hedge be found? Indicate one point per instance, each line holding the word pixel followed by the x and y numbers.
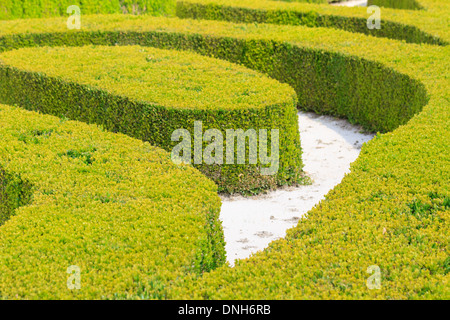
pixel 116 207
pixel 20 9
pixel 394 25
pixel 14 193
pixel 391 211
pixel 364 91
pixel 149 94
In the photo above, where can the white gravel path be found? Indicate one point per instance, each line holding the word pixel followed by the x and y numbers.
pixel 329 146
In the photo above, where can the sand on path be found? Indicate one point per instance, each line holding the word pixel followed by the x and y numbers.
pixel 329 146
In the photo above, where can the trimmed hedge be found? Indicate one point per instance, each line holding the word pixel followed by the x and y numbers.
pixel 149 93
pixel 393 25
pixel 313 1
pixel 325 82
pixel 14 193
pixel 15 9
pixel 396 4
pixel 392 210
pixel 116 207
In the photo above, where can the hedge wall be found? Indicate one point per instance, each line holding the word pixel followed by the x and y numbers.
pixel 116 207
pixel 21 9
pixel 123 91
pixel 393 25
pixel 14 193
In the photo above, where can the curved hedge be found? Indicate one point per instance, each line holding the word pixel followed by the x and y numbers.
pixel 392 210
pixel 404 26
pixel 149 93
pixel 116 207
pixel 14 193
pixel 397 4
pixel 15 9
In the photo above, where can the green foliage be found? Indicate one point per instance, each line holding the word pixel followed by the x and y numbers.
pixel 14 9
pixel 393 26
pixel 396 4
pixel 117 207
pixel 165 91
pixel 324 81
pixel 307 1
pixel 392 210
pixel 14 193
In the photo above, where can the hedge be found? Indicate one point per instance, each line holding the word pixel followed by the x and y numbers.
pixel 393 25
pixel 392 210
pixel 116 207
pixel 328 82
pixel 307 1
pixel 149 94
pixel 21 9
pixel 397 4
pixel 314 1
pixel 14 193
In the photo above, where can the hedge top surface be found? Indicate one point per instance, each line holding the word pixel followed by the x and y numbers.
pixel 114 206
pixel 433 20
pixel 14 9
pixel 166 78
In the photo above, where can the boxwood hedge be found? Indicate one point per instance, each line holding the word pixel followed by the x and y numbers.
pixel 116 207
pixel 13 9
pixel 391 211
pixel 402 26
pixel 149 93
